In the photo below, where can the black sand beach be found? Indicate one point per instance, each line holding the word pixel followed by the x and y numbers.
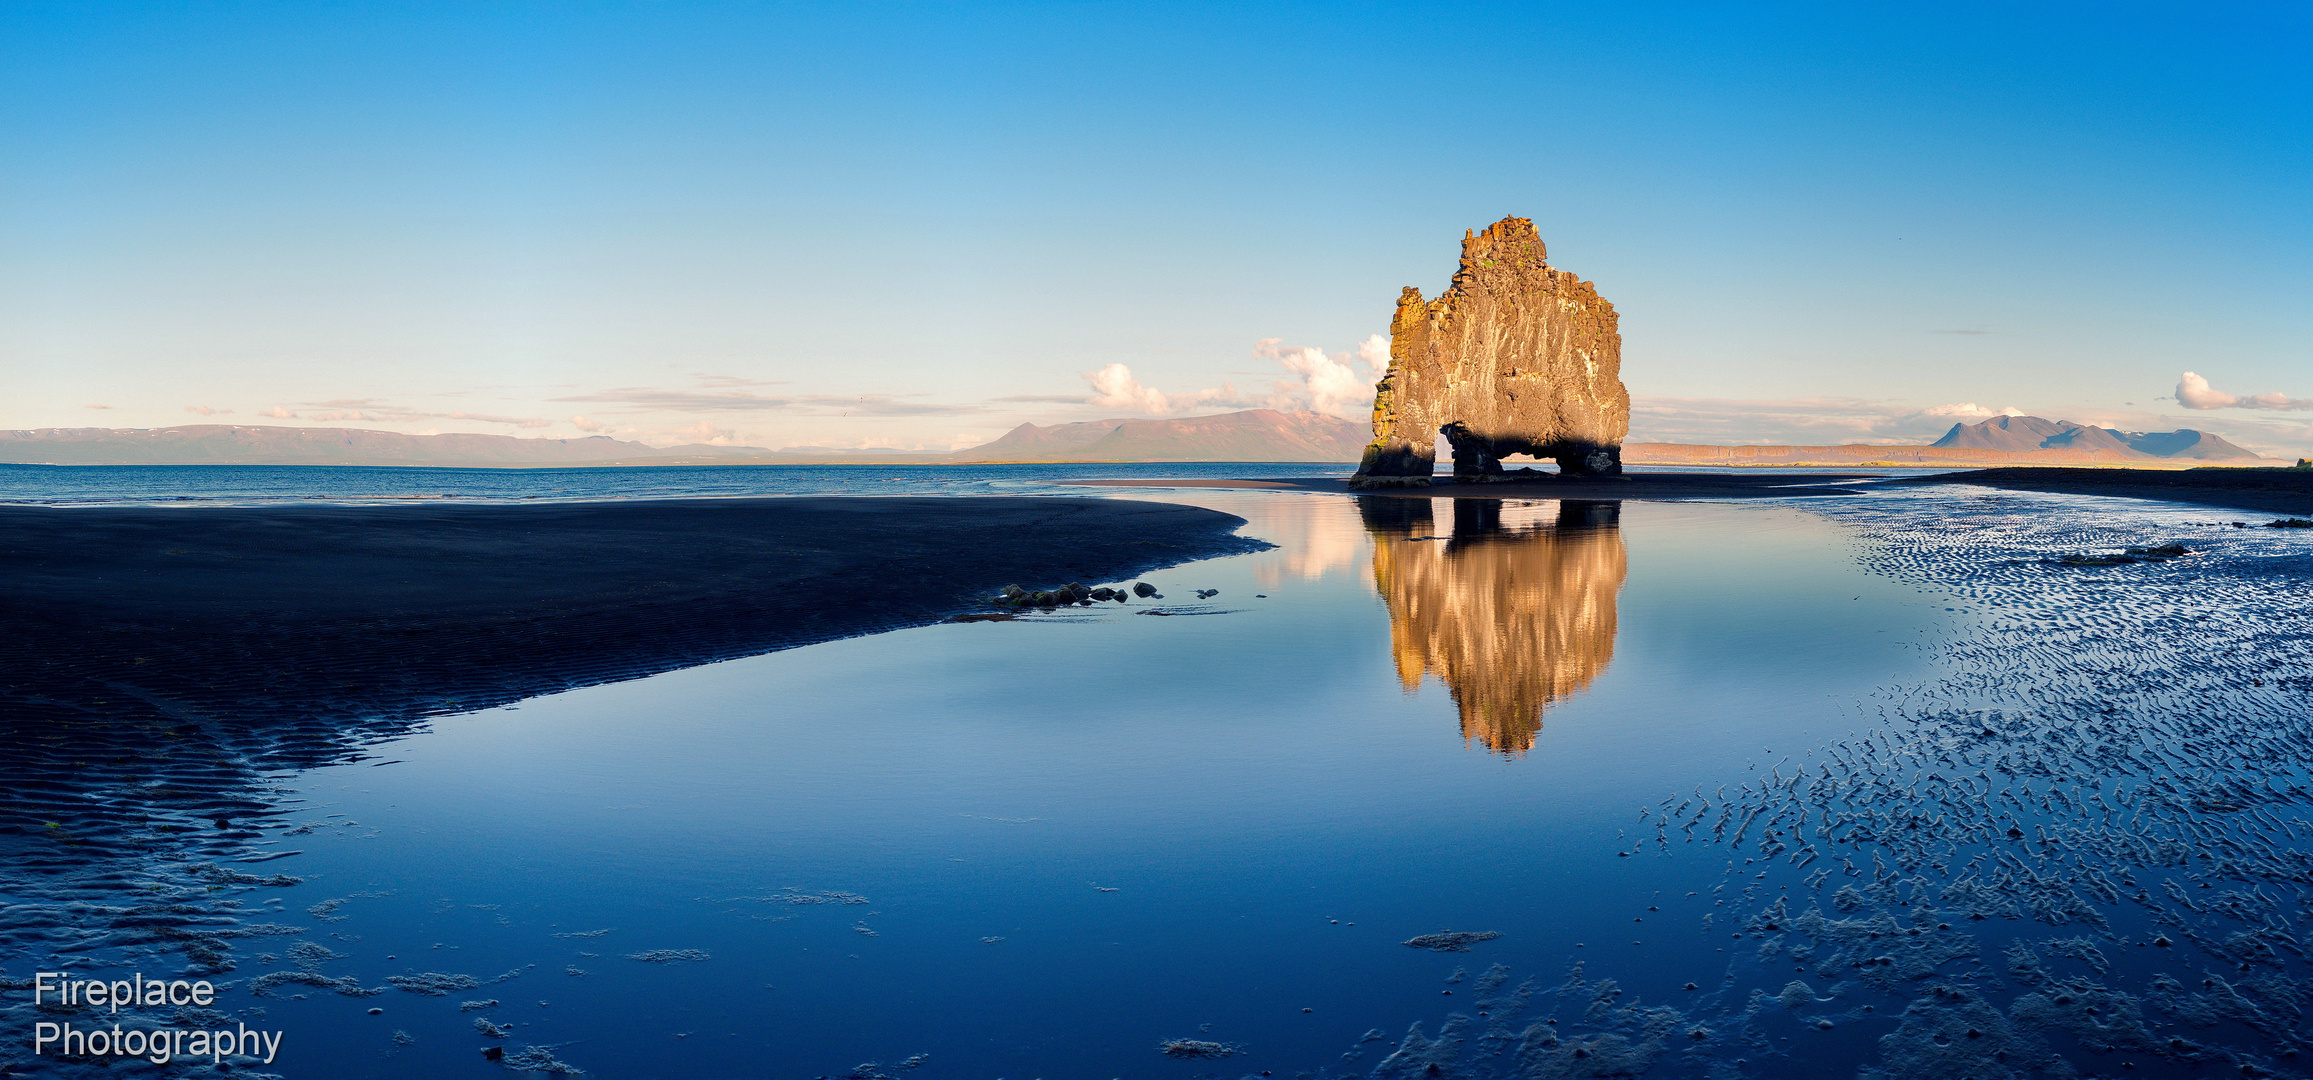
pixel 186 649
pixel 367 609
pixel 2278 491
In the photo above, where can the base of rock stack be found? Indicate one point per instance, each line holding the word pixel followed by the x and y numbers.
pixel 1506 476
pixel 1478 458
pixel 1370 483
pixel 1590 461
pixel 1391 462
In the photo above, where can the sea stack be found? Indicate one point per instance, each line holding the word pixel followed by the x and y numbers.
pixel 1515 357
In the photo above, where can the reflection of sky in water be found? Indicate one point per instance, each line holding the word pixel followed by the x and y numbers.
pixel 1273 809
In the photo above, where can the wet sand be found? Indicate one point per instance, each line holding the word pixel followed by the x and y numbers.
pixel 364 608
pixel 156 659
pixel 2277 491
pixel 1552 486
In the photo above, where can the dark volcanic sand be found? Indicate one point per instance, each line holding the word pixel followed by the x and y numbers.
pixel 284 637
pixel 361 611
pixel 157 665
pixel 364 609
pixel 1553 486
pixel 2279 491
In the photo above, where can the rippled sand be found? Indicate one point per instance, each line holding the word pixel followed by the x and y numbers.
pixel 2084 850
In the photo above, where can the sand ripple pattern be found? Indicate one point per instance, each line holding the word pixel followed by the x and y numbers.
pixel 2085 849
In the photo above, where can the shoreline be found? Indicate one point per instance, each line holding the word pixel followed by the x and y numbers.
pixel 2271 490
pixel 238 615
pixel 2268 490
pixel 162 664
pixel 349 614
pixel 1639 486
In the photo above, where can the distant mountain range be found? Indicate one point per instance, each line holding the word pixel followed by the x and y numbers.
pixel 241 444
pixel 2026 433
pixel 2001 440
pixel 1252 435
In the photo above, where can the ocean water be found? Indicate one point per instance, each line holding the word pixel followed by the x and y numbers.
pixel 258 485
pixel 1871 786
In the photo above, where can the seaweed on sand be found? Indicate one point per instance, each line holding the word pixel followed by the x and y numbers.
pixel 539 1059
pixel 1198 1048
pixel 263 985
pixel 1452 940
pixel 434 983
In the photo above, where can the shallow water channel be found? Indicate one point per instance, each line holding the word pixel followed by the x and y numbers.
pixel 1049 847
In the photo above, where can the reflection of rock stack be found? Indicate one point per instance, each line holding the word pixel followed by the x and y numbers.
pixel 1511 618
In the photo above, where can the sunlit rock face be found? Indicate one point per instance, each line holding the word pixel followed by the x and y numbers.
pixel 1515 357
pixel 1514 611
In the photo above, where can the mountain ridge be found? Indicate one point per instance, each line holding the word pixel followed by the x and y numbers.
pixel 1252 435
pixel 2017 434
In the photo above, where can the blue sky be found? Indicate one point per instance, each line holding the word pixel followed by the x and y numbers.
pixel 919 225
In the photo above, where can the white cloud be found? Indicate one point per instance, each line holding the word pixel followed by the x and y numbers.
pixel 204 410
pixel 517 421
pixel 588 426
pixel 1328 384
pixel 95 406
pixel 373 411
pixel 885 441
pixel 722 395
pixel 2194 392
pixel 1339 384
pixel 706 432
pixel 1970 410
pixel 1113 387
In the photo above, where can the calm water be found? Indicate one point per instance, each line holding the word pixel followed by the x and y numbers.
pixel 251 485
pixel 255 485
pixel 1241 775
pixel 1650 745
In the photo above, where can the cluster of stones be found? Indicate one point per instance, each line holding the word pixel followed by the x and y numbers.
pixel 1073 594
pixel 2127 556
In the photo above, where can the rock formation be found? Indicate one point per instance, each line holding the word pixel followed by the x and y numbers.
pixel 1515 357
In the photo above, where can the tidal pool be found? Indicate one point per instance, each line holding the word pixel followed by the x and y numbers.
pixel 1733 783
